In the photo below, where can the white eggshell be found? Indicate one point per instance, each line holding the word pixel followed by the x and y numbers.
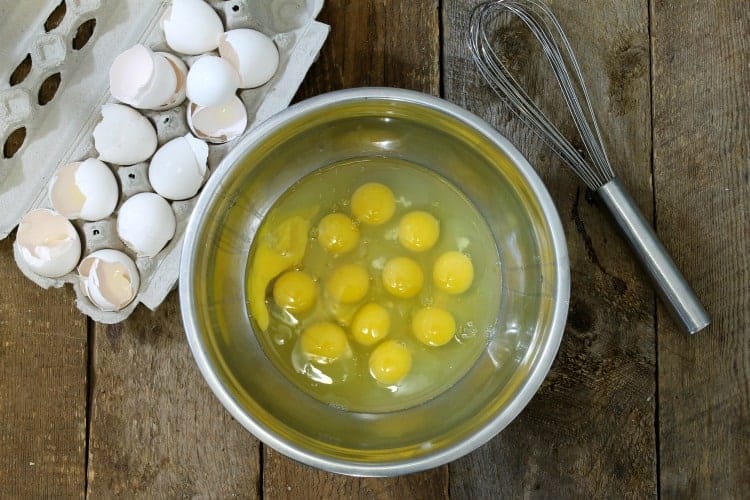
pixel 178 168
pixel 48 243
pixel 218 124
pixel 252 54
pixel 211 81
pixel 130 73
pixel 142 78
pixel 109 278
pixel 180 69
pixel 146 223
pixel 124 136
pixel 192 27
pixel 84 190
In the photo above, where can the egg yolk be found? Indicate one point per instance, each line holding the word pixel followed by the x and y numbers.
pixel 390 362
pixel 453 272
pixel 337 233
pixel 371 323
pixel 418 231
pixel 402 277
pixel 295 291
pixel 373 203
pixel 348 283
pixel 324 341
pixel 433 326
pixel 279 249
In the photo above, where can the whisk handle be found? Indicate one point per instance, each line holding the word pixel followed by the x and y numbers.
pixel 672 286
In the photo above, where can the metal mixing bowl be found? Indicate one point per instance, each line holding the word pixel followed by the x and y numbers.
pixel 365 123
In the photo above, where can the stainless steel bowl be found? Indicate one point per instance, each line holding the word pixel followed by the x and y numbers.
pixel 364 123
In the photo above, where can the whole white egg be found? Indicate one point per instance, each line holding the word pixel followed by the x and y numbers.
pixel 48 243
pixel 191 27
pixel 252 54
pixel 218 124
pixel 124 136
pixel 109 278
pixel 178 168
pixel 211 81
pixel 84 190
pixel 146 223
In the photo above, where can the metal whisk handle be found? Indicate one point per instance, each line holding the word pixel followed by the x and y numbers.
pixel 670 283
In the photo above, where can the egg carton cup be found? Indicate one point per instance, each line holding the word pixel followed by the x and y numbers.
pixel 60 131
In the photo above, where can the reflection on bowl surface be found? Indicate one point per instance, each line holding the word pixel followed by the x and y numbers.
pixel 373 130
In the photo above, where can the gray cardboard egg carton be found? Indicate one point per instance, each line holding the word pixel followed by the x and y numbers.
pixel 60 131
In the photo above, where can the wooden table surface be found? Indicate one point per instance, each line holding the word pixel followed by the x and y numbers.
pixel 632 406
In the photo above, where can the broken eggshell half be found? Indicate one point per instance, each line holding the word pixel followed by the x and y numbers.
pixel 146 223
pixel 142 78
pixel 178 168
pixel 124 136
pixel 217 124
pixel 84 190
pixel 191 27
pixel 48 243
pixel 180 69
pixel 109 278
pixel 252 54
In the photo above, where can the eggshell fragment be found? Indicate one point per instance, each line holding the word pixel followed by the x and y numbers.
pixel 142 78
pixel 218 124
pixel 191 27
pixel 252 54
pixel 146 223
pixel 109 278
pixel 124 136
pixel 178 168
pixel 211 81
pixel 48 243
pixel 84 190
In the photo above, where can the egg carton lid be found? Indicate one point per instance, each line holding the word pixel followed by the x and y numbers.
pixel 60 131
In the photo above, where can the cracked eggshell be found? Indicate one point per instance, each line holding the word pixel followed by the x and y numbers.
pixel 142 78
pixel 180 69
pixel 211 81
pixel 191 27
pixel 146 223
pixel 252 54
pixel 217 124
pixel 109 278
pixel 48 243
pixel 84 190
pixel 124 136
pixel 178 168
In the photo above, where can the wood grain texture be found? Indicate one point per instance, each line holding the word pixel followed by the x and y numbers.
pixel 372 43
pixel 702 174
pixel 156 430
pixel 42 387
pixel 378 42
pixel 589 431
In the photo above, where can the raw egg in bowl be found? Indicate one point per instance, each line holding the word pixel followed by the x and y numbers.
pixel 374 282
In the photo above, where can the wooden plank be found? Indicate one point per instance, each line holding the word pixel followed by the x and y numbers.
pixel 702 177
pixel 42 387
pixel 156 430
pixel 589 432
pixel 372 43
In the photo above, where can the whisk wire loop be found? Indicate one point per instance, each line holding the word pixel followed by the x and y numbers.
pixel 556 47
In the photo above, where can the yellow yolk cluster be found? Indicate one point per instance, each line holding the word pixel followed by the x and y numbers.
pixel 348 308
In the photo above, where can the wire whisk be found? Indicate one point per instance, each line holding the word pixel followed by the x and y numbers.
pixel 594 168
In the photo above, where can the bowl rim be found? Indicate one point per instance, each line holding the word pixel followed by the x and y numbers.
pixel 528 387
